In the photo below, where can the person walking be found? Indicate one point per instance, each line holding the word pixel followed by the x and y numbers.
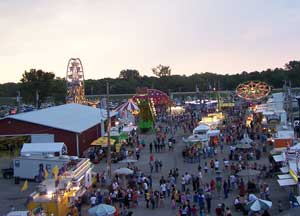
pixel 208 198
pixel 183 183
pixel 151 167
pixel 155 146
pixel 151 147
pixel 93 200
pixel 225 189
pixel 148 197
pixel 228 212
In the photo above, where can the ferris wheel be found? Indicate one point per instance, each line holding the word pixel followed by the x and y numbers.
pixel 75 82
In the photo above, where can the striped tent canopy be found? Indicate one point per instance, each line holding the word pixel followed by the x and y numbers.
pixel 128 106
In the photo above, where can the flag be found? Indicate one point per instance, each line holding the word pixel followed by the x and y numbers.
pixel 46 173
pixel 55 171
pixel 25 186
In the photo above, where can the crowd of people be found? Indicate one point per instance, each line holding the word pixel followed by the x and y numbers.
pixel 189 193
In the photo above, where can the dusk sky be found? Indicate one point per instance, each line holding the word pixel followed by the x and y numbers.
pixel 191 36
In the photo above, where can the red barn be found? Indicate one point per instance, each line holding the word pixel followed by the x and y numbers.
pixel 74 124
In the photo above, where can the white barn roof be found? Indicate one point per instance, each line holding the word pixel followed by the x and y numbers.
pixel 70 117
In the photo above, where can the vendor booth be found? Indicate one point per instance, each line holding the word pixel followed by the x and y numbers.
pixel 284 138
pixel 56 195
pixel 214 136
pixel 213 120
pixel 177 110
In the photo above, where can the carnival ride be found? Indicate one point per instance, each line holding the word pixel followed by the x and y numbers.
pixel 128 106
pixel 147 114
pixel 75 81
pixel 149 101
pixel 253 90
pixel 75 84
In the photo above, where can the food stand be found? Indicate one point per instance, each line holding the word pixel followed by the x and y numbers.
pixel 284 138
pixel 177 110
pixel 57 195
pixel 201 129
pixel 213 120
pixel 214 136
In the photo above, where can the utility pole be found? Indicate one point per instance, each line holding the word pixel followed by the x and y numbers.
pixel 108 133
pixel 218 97
pixel 37 98
pixel 290 106
pixel 18 100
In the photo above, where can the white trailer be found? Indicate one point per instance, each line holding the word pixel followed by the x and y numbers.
pixel 54 148
pixel 31 166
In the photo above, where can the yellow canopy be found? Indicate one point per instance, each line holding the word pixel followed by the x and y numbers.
pixel 102 141
pixel 118 147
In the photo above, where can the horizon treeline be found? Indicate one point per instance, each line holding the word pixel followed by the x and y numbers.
pixel 130 79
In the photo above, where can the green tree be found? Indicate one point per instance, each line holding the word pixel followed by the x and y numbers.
pixel 9 89
pixel 130 80
pixel 162 71
pixel 293 66
pixel 36 86
pixel 129 74
pixel 58 90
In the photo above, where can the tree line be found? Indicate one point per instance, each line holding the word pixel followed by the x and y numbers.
pixel 45 84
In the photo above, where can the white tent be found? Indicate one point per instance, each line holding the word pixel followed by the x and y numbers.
pixel 279 158
pixel 123 171
pixel 246 140
pixel 18 213
pixel 258 204
pixel 284 169
pixel 284 176
pixel 213 133
pixel 286 182
pixel 295 147
pixel 285 134
pixel 129 128
pixel 201 128
pixel 197 138
pixel 44 148
pixel 113 132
